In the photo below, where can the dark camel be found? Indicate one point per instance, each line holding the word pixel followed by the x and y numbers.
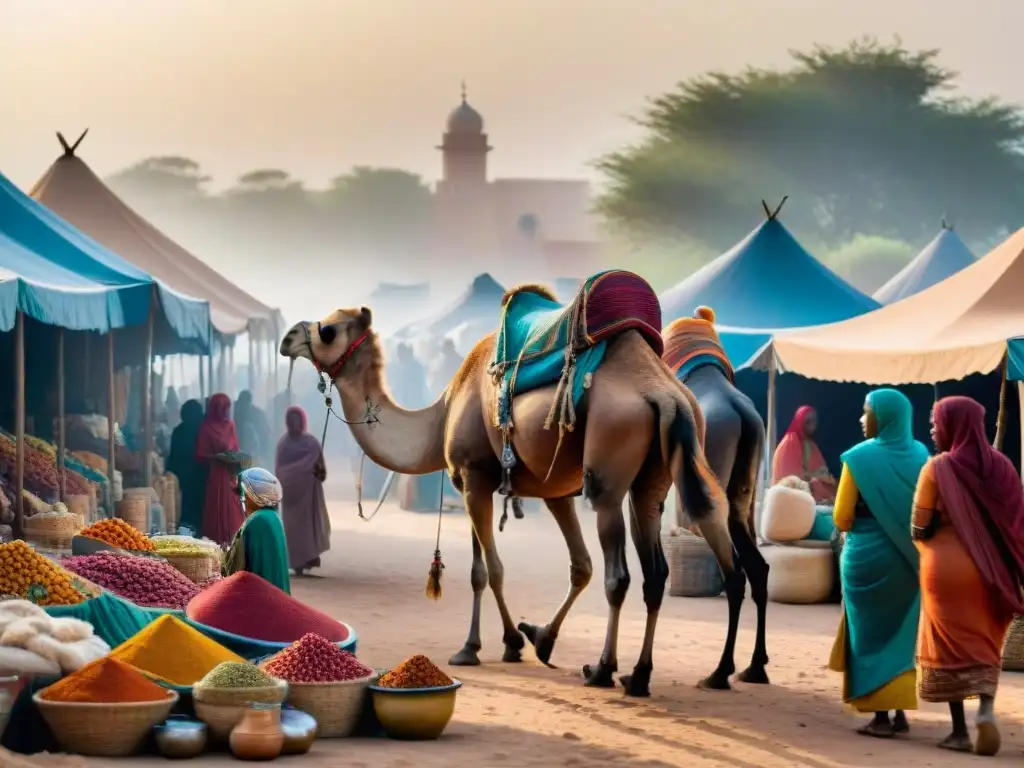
pixel 733 445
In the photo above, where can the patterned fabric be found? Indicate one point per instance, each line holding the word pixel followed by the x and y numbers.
pixel 261 487
pixel 691 342
pixel 945 685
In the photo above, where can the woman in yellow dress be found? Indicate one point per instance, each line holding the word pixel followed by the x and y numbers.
pixel 877 636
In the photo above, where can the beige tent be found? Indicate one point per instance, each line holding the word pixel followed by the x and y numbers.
pixel 71 189
pixel 955 328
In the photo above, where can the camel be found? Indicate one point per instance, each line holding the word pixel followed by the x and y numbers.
pixel 733 446
pixel 638 430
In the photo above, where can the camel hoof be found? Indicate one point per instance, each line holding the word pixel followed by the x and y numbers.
pixel 599 676
pixel 512 655
pixel 467 657
pixel 639 683
pixel 514 645
pixel 542 641
pixel 716 681
pixel 754 675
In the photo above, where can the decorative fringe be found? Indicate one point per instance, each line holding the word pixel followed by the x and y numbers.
pixel 433 590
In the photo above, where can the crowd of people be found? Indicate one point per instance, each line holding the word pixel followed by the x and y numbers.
pixel 270 522
pixel 931 566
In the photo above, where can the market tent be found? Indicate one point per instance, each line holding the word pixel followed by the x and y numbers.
pixel 476 312
pixel 31 228
pixel 71 189
pixel 942 257
pixel 766 281
pixel 956 328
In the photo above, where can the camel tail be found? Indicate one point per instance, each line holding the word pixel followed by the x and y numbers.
pixel 701 493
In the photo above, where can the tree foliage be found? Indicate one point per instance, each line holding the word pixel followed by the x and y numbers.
pixel 865 139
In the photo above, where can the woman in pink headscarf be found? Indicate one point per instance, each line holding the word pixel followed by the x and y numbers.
pixel 217 448
pixel 798 455
pixel 300 469
pixel 969 526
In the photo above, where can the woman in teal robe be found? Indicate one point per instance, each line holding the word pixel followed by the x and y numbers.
pixel 260 546
pixel 876 643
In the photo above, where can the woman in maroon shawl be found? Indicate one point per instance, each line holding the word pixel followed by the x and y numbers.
pixel 969 526
pixel 299 467
pixel 217 448
pixel 798 455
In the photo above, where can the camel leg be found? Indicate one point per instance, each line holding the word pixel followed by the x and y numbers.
pixel 469 655
pixel 611 531
pixel 480 503
pixel 580 571
pixel 645 507
pixel 756 569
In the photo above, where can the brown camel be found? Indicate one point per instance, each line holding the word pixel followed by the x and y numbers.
pixel 638 430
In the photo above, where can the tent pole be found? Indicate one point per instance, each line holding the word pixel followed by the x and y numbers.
pixel 209 372
pixel 222 369
pixel 202 382
pixel 147 400
pixel 770 426
pixel 275 372
pixel 997 443
pixel 61 473
pixel 231 371
pixel 111 448
pixel 252 360
pixel 19 424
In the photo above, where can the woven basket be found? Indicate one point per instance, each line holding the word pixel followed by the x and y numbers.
pixel 797 575
pixel 80 504
pixel 336 707
pixel 196 568
pixel 269 694
pixel 134 510
pixel 53 531
pixel 692 567
pixel 103 730
pixel 1013 646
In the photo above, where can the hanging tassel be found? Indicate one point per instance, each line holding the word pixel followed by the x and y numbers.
pixel 433 590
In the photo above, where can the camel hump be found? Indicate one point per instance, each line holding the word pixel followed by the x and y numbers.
pixel 537 288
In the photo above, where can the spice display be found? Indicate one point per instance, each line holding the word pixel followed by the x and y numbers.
pixel 171 650
pixel 314 659
pixel 144 581
pixel 415 672
pixel 186 546
pixel 105 681
pixel 118 533
pixel 228 605
pixel 26 574
pixel 40 467
pixel 234 674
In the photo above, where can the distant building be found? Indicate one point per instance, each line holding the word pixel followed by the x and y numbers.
pixel 540 229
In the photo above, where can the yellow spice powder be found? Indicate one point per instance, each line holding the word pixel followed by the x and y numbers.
pixel 173 651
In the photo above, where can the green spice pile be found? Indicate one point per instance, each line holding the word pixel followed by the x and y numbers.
pixel 232 674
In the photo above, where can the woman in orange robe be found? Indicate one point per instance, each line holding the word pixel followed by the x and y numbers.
pixel 968 523
pixel 797 454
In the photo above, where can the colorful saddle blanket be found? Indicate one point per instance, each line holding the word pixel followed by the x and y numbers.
pixel 541 342
pixel 691 342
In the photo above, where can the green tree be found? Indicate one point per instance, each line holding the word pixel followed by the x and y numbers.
pixel 163 177
pixel 390 207
pixel 865 139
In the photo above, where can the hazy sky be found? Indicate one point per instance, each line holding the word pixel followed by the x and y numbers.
pixel 315 86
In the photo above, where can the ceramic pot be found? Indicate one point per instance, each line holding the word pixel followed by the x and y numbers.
pixel 299 730
pixel 258 736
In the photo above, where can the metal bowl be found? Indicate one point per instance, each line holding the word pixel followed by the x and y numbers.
pixel 180 737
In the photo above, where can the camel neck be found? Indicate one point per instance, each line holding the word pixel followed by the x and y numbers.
pixel 403 441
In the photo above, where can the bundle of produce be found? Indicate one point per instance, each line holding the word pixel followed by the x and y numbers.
pixel 93 461
pixel 199 560
pixel 118 533
pixel 415 672
pixel 145 581
pixel 315 659
pixel 168 649
pixel 33 504
pixel 228 605
pixel 26 574
pixel 40 470
pixel 65 643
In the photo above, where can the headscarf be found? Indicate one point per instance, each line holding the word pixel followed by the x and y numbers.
pixel 797 454
pixel 886 467
pixel 217 433
pixel 297 453
pixel 260 487
pixel 982 495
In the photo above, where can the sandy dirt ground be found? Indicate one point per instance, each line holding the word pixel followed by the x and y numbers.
pixel 529 715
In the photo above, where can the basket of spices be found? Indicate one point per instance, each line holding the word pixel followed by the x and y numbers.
pixel 118 533
pixel 105 709
pixel 222 697
pixel 53 529
pixel 415 700
pixel 199 561
pixel 323 681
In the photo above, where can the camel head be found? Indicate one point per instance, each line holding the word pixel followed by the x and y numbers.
pixel 335 344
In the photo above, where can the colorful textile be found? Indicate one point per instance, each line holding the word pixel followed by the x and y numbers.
pixel 260 548
pixel 222 514
pixel 879 564
pixel 260 487
pixel 299 466
pixel 541 341
pixel 691 342
pixel 798 455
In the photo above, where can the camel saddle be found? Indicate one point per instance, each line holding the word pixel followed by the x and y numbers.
pixel 693 342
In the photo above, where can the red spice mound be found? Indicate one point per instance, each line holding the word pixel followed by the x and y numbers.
pixel 314 659
pixel 246 605
pixel 105 681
